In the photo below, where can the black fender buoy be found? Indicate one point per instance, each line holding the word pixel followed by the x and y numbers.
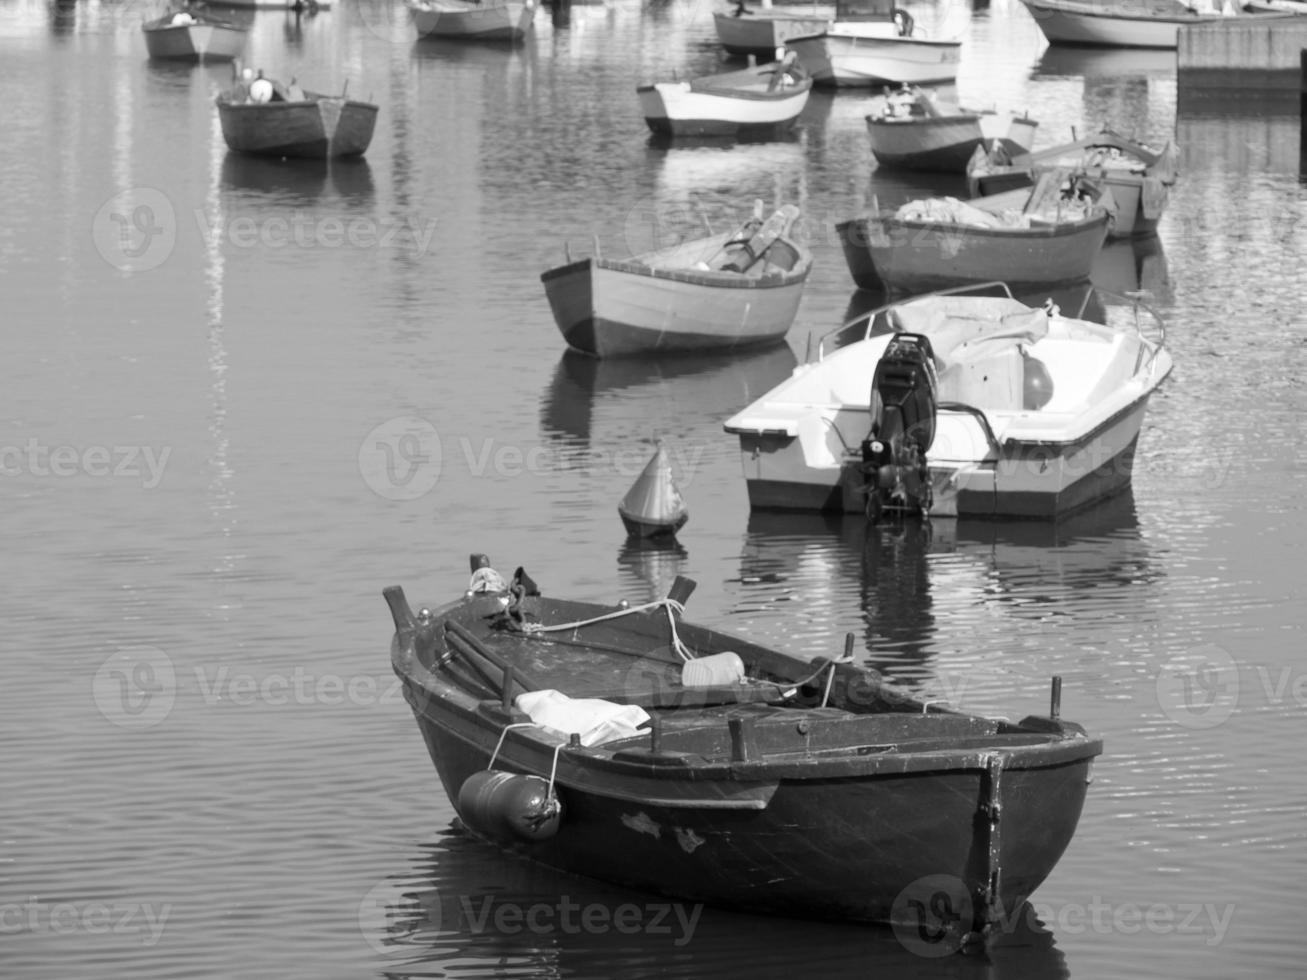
pixel 504 804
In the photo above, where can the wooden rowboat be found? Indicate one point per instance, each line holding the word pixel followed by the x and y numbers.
pixel 874 42
pixel 914 130
pixel 622 743
pixel 761 100
pixel 727 291
pixel 759 32
pixel 191 36
pixel 1138 178
pixel 1029 237
pixel 494 20
pixel 294 123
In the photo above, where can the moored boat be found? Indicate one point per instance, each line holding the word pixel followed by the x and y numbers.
pixel 494 20
pixel 264 117
pixel 911 128
pixel 957 405
pixel 873 42
pixel 759 32
pixel 623 743
pixel 1116 23
pixel 1138 178
pixel 731 290
pixel 187 35
pixel 1047 235
pixel 755 101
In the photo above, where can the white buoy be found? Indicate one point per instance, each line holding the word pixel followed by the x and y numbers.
pixel 653 507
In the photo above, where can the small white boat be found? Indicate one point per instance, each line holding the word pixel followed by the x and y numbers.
pixel 186 35
pixel 1138 178
pixel 1117 23
pixel 913 129
pixel 956 405
pixel 494 20
pixel 759 32
pixel 653 507
pixel 873 42
pixel 758 100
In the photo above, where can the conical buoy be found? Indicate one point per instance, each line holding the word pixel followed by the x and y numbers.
pixel 653 507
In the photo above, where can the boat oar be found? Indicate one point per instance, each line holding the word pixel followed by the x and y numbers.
pixel 492 665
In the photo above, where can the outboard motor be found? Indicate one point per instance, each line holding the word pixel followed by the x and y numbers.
pixel 902 428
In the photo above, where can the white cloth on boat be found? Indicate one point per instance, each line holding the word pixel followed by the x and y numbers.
pixel 595 720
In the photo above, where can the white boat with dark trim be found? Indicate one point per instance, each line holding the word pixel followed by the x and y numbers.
pixel 759 32
pixel 759 100
pixel 914 129
pixel 955 404
pixel 1117 23
pixel 873 42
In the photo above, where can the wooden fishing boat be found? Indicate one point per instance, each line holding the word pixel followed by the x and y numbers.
pixel 1043 236
pixel 187 35
pixel 1116 23
pixel 759 100
pixel 913 129
pixel 286 121
pixel 734 290
pixel 873 42
pixel 983 407
pixel 743 30
pixel 623 743
pixel 653 507
pixel 494 20
pixel 1137 178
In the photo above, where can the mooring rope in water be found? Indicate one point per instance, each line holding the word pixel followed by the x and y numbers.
pixel 670 605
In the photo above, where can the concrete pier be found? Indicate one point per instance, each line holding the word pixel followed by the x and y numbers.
pixel 1241 59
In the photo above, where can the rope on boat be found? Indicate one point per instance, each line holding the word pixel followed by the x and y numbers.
pixel 670 605
pixel 500 744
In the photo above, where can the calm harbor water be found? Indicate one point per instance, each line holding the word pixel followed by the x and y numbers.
pixel 240 397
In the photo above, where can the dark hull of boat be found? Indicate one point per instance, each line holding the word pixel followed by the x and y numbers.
pixel 943 159
pixel 797 857
pixel 611 309
pixel 318 129
pixel 918 256
pixel 828 812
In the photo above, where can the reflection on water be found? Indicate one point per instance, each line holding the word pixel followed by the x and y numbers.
pixel 462 901
pixel 647 567
pixel 697 387
pixel 298 181
pixel 918 585
pixel 1117 63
